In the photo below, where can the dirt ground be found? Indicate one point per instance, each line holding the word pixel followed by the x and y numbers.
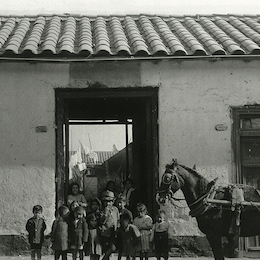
pixel 114 257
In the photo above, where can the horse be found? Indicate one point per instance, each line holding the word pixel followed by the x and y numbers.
pixel 228 217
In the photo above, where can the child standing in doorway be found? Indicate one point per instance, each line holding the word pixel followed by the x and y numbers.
pixel 160 236
pixel 78 233
pixel 128 238
pixel 109 222
pixel 36 227
pixel 144 223
pixel 59 234
pixel 93 246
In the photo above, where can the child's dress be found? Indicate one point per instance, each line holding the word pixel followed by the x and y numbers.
pixel 93 246
pixel 144 224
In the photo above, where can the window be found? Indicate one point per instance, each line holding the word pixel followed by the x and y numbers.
pixel 246 148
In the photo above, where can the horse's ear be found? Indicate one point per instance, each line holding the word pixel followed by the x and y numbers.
pixel 174 161
pixel 194 167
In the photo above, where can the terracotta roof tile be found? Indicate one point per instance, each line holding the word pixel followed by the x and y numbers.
pixel 140 35
pixel 228 44
pixel 248 45
pixel 187 38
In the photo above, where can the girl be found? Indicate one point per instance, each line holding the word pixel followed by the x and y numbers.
pixel 78 233
pixel 75 195
pixel 144 223
pixel 93 246
pixel 160 236
pixel 128 242
pixel 59 234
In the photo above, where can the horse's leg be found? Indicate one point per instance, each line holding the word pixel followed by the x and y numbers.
pixel 232 245
pixel 216 245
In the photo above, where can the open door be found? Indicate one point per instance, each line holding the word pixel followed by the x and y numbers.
pixel 136 107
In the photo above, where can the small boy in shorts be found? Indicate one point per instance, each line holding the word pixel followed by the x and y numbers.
pixel 35 227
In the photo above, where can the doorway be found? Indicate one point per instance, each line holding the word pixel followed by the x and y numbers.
pixel 129 116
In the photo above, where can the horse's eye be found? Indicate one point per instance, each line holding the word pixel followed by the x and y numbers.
pixel 167 179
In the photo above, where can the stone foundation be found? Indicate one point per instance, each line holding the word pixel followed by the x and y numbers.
pixel 12 245
pixel 189 246
pixel 180 246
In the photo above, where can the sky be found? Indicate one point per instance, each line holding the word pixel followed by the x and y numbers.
pixel 123 7
pixel 98 137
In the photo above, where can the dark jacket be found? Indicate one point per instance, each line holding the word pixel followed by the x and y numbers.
pixel 35 228
pixel 78 233
pixel 59 234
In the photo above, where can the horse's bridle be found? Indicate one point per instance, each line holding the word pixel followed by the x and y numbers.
pixel 169 176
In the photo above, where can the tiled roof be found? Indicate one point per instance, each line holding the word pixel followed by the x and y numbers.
pixel 129 36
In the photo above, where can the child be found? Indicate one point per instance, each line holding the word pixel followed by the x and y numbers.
pixel 128 234
pixel 35 227
pixel 94 206
pixel 93 246
pixel 130 194
pixel 120 204
pixel 144 223
pixel 78 233
pixel 160 236
pixel 72 208
pixel 109 220
pixel 59 234
pixel 75 195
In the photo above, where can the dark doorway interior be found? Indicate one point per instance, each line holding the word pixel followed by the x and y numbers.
pixel 120 106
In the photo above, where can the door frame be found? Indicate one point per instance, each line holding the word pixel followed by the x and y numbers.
pixel 62 96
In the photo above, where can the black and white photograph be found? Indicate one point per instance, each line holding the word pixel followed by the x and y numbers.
pixel 129 130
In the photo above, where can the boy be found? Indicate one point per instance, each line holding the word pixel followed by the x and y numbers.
pixel 35 227
pixel 109 220
pixel 120 204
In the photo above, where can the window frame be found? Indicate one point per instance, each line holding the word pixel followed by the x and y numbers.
pixel 237 133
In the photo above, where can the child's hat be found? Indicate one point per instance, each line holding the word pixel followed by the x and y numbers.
pixel 108 195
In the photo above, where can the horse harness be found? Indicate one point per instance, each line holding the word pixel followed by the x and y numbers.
pixel 207 200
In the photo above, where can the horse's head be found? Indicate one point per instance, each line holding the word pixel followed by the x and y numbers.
pixel 170 182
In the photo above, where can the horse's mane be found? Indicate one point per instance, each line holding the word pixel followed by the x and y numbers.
pixel 202 182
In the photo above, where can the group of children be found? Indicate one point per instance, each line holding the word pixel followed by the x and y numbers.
pixel 101 228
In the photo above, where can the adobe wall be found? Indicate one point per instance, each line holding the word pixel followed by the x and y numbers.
pixel 194 96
